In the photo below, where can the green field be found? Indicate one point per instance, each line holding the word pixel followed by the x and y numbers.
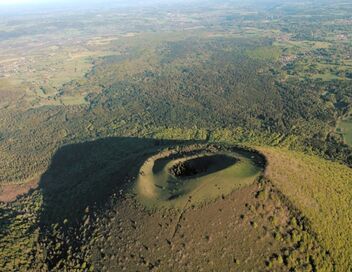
pixel 265 53
pixel 345 127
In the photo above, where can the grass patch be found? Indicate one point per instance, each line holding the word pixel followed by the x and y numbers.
pixel 265 53
pixel 345 126
pixel 322 190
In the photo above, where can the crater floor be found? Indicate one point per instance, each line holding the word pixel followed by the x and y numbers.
pixel 195 174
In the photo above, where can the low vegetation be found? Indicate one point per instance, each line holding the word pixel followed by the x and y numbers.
pixel 322 190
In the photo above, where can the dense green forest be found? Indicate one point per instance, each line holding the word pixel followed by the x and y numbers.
pixel 197 83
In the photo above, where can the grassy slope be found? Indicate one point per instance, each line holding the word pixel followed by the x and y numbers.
pixel 322 190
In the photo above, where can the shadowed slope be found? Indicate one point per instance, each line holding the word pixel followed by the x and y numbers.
pixel 79 183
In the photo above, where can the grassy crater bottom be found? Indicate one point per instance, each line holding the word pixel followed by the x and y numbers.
pixel 195 174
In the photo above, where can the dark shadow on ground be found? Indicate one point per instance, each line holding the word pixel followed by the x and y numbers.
pixel 201 166
pixel 79 183
pixel 84 175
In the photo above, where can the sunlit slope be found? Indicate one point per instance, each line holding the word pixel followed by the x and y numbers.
pixel 322 190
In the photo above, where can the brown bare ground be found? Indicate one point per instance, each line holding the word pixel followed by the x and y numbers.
pixel 231 234
pixel 9 192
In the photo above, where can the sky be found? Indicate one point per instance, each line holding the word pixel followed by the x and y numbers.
pixel 33 2
pixel 13 7
pixel 36 2
pixel 17 2
pixel 58 2
pixel 10 2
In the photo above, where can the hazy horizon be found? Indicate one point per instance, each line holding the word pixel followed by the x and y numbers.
pixel 89 2
pixel 34 6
